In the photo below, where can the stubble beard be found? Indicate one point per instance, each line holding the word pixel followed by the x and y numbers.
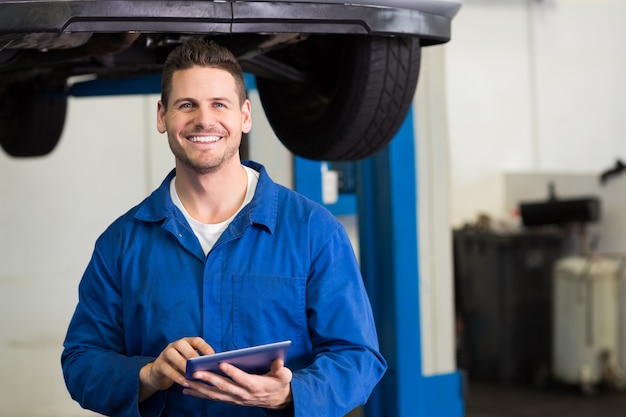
pixel 205 164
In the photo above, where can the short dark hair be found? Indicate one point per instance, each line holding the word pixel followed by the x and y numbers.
pixel 199 52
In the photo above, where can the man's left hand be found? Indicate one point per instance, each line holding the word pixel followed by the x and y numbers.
pixel 271 390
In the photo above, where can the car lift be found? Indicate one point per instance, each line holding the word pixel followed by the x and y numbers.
pixel 386 188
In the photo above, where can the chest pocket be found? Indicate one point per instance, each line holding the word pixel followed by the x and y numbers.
pixel 268 309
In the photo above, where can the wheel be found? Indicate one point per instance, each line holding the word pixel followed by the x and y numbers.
pixel 358 93
pixel 32 116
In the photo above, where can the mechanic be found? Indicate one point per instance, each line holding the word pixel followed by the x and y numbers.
pixel 219 257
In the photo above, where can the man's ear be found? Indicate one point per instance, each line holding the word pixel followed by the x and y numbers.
pixel 161 117
pixel 246 117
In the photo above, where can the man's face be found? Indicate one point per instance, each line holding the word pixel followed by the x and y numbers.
pixel 204 120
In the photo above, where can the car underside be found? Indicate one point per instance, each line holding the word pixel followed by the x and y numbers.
pixel 335 79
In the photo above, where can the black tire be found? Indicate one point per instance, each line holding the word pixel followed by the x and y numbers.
pixel 32 116
pixel 359 92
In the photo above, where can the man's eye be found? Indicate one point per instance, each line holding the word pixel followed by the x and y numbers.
pixel 185 106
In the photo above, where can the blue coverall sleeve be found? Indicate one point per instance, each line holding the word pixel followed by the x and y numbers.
pixel 98 375
pixel 347 363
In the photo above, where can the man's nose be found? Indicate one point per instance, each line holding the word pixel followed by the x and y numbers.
pixel 204 117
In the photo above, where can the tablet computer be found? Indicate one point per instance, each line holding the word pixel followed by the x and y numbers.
pixel 253 360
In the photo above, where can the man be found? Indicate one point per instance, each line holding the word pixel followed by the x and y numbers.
pixel 219 257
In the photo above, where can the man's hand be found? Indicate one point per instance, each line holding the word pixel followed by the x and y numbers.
pixel 169 368
pixel 272 390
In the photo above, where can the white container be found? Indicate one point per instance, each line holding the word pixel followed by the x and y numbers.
pixel 585 322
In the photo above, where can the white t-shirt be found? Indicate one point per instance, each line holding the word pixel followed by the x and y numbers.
pixel 208 233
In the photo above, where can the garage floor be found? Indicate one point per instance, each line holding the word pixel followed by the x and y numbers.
pixel 491 400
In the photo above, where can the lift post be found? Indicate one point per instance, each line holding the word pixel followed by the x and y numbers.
pixel 389 256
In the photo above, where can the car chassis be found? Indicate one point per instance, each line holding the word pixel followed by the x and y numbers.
pixel 335 78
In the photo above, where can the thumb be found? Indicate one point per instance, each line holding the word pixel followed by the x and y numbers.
pixel 279 370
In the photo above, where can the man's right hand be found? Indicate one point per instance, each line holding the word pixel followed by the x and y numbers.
pixel 169 368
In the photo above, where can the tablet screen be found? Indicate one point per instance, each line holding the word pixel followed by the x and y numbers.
pixel 253 360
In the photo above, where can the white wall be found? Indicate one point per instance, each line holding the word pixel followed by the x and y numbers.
pixel 533 85
pixel 53 209
pixel 433 207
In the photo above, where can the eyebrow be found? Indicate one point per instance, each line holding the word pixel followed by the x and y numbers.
pixel 194 100
pixel 183 99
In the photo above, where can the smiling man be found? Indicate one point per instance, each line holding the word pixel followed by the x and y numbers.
pixel 219 257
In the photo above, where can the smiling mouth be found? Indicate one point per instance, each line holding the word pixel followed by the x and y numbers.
pixel 204 139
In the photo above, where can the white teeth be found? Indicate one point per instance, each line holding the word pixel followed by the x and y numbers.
pixel 204 139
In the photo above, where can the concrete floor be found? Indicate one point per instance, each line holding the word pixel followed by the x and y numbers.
pixel 497 400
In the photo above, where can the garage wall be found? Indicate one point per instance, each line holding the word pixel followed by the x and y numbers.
pixel 533 85
pixel 530 86
pixel 52 210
